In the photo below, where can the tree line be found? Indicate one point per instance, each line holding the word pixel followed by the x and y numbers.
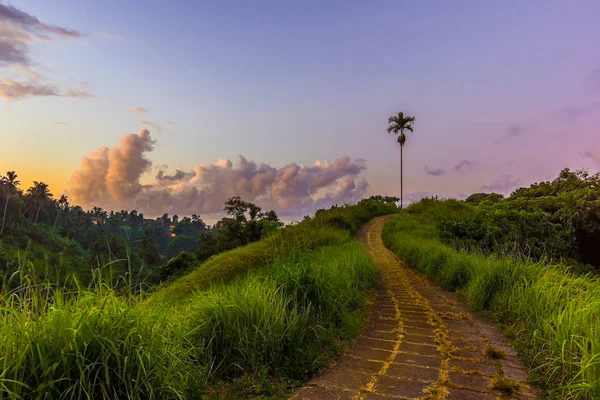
pixel 123 238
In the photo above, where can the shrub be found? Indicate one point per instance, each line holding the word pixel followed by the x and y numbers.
pixel 178 266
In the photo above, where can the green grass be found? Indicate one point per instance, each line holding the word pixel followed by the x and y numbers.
pixel 336 225
pixel 551 313
pixel 44 258
pixel 271 315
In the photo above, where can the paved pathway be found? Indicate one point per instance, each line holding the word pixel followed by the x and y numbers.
pixel 420 343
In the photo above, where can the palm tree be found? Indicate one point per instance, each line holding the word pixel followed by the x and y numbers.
pixel 398 125
pixel 39 193
pixel 9 183
pixel 62 208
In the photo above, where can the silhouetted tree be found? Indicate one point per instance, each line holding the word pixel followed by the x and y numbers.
pixel 39 194
pixel 148 249
pixel 398 125
pixel 8 184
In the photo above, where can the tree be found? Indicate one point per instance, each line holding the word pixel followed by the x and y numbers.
pixel 39 194
pixel 237 208
pixel 207 246
pixel 487 198
pixel 398 125
pixel 148 249
pixel 9 185
pixel 179 244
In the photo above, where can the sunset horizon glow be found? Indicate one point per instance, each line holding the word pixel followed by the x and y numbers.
pixel 175 109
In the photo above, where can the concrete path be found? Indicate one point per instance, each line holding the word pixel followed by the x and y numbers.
pixel 420 342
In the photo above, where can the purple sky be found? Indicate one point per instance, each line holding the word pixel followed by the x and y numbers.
pixel 505 93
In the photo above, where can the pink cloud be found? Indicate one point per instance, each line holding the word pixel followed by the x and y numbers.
pixel 151 125
pixel 110 177
pixel 138 110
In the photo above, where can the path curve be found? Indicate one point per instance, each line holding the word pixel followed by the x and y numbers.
pixel 420 342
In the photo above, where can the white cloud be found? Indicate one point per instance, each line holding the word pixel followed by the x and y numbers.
pixel 110 177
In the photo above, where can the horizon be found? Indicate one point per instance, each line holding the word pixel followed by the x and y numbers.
pixel 178 109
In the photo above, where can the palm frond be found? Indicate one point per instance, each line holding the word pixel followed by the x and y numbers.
pixel 399 124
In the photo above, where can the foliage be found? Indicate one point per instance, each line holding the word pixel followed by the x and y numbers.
pixel 484 198
pixel 125 239
pixel 181 243
pixel 399 124
pixel 283 321
pixel 551 312
pixel 178 266
pixel 207 246
pixel 555 220
pixel 321 230
pixel 148 249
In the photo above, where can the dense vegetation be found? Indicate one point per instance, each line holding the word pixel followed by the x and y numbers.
pixel 506 258
pixel 252 321
pixel 553 221
pixel 46 231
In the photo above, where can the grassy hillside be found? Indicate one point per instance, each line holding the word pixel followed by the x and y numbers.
pixel 251 322
pixel 551 312
pixel 52 258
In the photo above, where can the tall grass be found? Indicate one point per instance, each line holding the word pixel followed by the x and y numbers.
pixel 552 314
pixel 282 321
pixel 335 225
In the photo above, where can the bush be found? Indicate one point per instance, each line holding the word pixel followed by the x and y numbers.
pixel 558 221
pixel 178 266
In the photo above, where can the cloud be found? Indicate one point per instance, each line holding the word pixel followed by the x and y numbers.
pixel 13 52
pixel 434 172
pixel 514 130
pixel 18 29
pixel 151 125
pixel 110 177
pixel 169 123
pixel 464 165
pixel 32 24
pixel 503 185
pixel 60 123
pixel 81 94
pixel 138 110
pixel 593 154
pixel 179 175
pixel 112 174
pixel 12 90
pixel 592 80
pixel 193 70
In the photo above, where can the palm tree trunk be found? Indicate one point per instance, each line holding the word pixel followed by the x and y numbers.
pixel 401 187
pixel 4 216
pixel 38 213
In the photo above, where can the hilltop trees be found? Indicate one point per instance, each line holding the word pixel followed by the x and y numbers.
pixel 8 187
pixel 123 238
pixel 38 197
pixel 557 219
pixel 148 249
pixel 398 125
pixel 245 223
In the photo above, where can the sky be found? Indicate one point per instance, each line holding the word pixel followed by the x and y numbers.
pixel 174 106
